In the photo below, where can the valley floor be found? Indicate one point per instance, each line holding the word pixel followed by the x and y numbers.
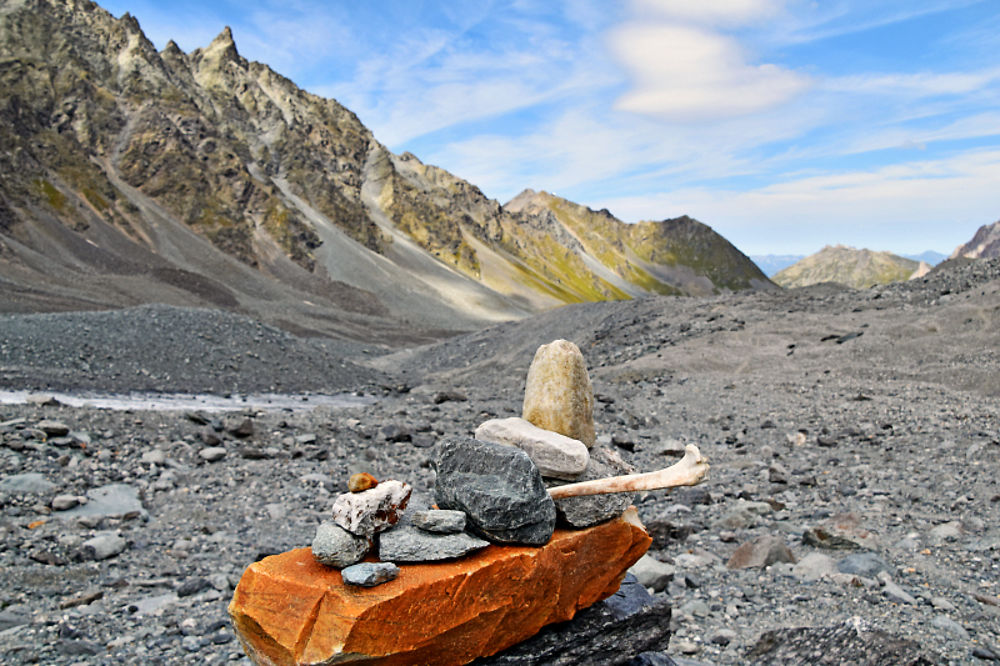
pixel 872 415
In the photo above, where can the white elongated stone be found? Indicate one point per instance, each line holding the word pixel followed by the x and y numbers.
pixel 558 394
pixel 555 455
pixel 373 510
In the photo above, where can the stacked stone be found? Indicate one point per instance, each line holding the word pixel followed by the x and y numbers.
pixel 490 489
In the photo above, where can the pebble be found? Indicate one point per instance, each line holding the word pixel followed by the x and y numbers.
pixel 154 457
pixel 893 591
pixel 558 394
pixel 64 502
pixel 212 453
pixel 409 544
pixel 369 574
pixel 336 547
pixel 814 566
pixel 371 511
pixel 556 456
pixel 361 481
pixel 947 531
pixel 652 573
pixel 761 552
pixel 102 546
pixel 439 521
pixel 193 586
pixel 865 564
pixel 53 428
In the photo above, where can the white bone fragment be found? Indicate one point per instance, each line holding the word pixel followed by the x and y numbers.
pixel 689 471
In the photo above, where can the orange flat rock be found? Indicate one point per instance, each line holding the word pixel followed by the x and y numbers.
pixel 290 609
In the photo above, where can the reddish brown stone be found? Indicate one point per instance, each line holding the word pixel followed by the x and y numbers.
pixel 289 609
pixel 361 481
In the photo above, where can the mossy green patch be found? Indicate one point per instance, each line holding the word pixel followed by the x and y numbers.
pixel 55 198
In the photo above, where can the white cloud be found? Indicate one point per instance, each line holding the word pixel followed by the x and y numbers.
pixel 715 12
pixel 905 207
pixel 688 74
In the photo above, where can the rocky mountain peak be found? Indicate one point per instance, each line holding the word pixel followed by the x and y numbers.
pixel 986 243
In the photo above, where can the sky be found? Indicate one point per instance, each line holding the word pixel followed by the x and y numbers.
pixel 785 125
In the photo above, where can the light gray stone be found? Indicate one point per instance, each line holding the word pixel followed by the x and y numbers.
pixel 894 592
pixel 555 455
pixel 369 574
pixel 212 453
pixel 652 573
pixel 30 483
pixel 154 457
pixel 336 547
pixel 947 624
pixel 862 564
pixel 112 501
pixel 64 502
pixel 814 566
pixel 53 428
pixel 372 511
pixel 409 544
pixel 102 546
pixel 439 521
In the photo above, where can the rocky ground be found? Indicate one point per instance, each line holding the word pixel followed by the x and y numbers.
pixel 858 429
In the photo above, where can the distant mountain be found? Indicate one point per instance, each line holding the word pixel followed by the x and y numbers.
pixel 985 243
pixel 848 266
pixel 132 175
pixel 773 263
pixel 930 257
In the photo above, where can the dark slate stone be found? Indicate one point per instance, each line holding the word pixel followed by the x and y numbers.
pixel 613 631
pixel 651 659
pixel 853 642
pixel 498 487
pixel 192 586
pixel 409 544
pixel 590 510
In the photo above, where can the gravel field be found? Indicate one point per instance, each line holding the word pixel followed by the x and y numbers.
pixel 858 430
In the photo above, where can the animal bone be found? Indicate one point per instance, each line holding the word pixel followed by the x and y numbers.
pixel 689 471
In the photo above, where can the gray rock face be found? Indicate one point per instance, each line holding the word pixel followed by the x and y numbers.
pixel 370 574
pixel 31 482
pixel 373 510
pixel 590 510
pixel 439 521
pixel 409 544
pixel 112 501
pixel 853 642
pixel 336 547
pixel 555 455
pixel 498 487
pixel 613 631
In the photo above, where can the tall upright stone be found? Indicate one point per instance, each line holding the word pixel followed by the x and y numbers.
pixel 558 395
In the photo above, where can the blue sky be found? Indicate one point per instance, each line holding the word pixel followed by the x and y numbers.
pixel 786 125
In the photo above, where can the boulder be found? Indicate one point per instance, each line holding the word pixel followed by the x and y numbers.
pixel 371 511
pixel 289 609
pixel 558 394
pixel 499 489
pixel 555 455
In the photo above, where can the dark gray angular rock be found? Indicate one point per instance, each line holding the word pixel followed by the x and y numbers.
pixel 439 521
pixel 370 574
pixel 409 544
pixel 852 642
pixel 614 631
pixel 865 564
pixel 498 487
pixel 336 547
pixel 590 510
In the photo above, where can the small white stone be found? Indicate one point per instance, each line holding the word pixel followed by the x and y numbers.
pixel 373 510
pixel 555 455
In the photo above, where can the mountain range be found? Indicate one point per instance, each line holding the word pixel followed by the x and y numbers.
pixel 133 175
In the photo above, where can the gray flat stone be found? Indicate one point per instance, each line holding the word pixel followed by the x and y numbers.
pixel 336 547
pixel 865 564
pixel 370 574
pixel 814 566
pixel 439 521
pixel 29 482
pixel 212 453
pixel 498 487
pixel 102 546
pixel 112 501
pixel 409 544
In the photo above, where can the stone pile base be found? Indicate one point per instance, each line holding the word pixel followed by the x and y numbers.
pixel 289 609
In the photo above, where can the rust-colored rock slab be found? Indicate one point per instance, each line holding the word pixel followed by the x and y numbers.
pixel 289 609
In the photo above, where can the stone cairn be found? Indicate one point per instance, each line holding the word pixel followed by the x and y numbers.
pixel 493 568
